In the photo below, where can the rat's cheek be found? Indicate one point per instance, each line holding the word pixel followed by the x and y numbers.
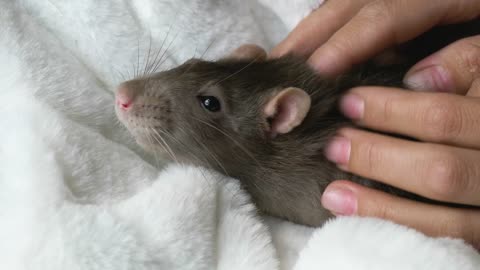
pixel 235 126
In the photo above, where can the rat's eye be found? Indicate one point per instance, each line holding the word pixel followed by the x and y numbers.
pixel 210 103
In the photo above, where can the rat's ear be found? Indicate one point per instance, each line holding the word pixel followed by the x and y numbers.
pixel 286 110
pixel 248 52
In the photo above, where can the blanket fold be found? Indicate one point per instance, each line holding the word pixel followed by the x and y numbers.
pixel 76 192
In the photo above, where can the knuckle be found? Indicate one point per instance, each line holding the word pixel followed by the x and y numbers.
pixel 330 12
pixel 452 224
pixel 388 111
pixel 380 11
pixel 376 10
pixel 441 119
pixel 341 46
pixel 467 228
pixel 459 224
pixel 474 235
pixel 373 156
pixel 445 176
pixel 381 211
pixel 461 10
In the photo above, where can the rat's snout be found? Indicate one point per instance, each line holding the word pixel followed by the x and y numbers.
pixel 125 96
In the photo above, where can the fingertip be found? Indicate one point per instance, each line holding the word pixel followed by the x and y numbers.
pixel 433 77
pixel 352 106
pixel 452 69
pixel 339 199
pixel 294 44
pixel 278 51
pixel 370 202
pixel 338 150
pixel 328 61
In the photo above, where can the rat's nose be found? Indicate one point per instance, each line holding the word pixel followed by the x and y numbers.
pixel 125 96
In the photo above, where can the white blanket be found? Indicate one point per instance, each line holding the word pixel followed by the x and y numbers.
pixel 76 192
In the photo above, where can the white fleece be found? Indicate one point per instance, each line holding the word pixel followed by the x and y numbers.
pixel 76 192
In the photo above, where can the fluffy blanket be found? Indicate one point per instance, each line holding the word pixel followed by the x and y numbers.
pixel 76 192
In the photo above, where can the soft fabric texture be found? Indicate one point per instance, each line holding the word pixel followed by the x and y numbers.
pixel 76 192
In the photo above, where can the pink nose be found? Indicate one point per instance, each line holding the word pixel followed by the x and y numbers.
pixel 124 97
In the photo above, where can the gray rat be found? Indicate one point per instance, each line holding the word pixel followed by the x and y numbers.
pixel 262 121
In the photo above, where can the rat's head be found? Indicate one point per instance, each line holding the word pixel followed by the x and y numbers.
pixel 210 111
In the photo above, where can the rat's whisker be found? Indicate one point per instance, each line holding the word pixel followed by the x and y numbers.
pixel 151 141
pixel 129 74
pixel 158 136
pixel 264 170
pixel 148 56
pixel 238 71
pixel 191 154
pixel 195 52
pixel 157 54
pixel 209 152
pixel 190 67
pixel 160 62
pixel 152 135
pixel 174 38
pixel 120 75
pixel 168 146
pixel 137 68
pixel 208 47
pixel 187 149
pixel 238 144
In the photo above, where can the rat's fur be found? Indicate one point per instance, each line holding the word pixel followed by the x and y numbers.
pixel 285 175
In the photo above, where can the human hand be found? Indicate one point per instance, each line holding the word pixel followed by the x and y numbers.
pixel 356 30
pixel 445 164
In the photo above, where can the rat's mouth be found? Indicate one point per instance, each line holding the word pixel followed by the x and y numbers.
pixel 145 134
pixel 146 122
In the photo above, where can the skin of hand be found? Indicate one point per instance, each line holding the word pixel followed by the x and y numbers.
pixel 444 164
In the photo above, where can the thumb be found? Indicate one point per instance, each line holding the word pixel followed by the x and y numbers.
pixel 452 69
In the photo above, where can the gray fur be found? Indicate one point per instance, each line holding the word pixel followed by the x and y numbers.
pixel 287 175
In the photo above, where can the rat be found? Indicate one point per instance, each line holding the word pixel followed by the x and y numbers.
pixel 265 122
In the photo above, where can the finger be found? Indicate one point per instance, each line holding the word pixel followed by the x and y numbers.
pixel 317 28
pixel 475 89
pixel 248 52
pixel 347 198
pixel 433 117
pixel 437 172
pixel 452 69
pixel 383 23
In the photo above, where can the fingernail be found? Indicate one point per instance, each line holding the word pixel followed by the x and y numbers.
pixel 338 150
pixel 339 200
pixel 325 62
pixel 352 106
pixel 322 65
pixel 277 52
pixel 432 78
